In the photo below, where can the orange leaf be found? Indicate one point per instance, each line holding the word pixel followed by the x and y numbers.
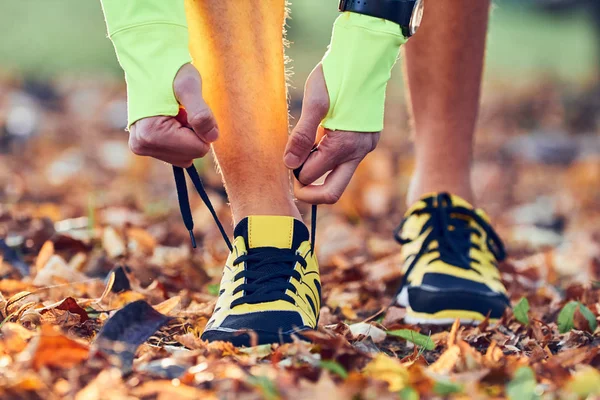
pixel 447 361
pixel 44 255
pixel 167 306
pixel 453 333
pixel 53 349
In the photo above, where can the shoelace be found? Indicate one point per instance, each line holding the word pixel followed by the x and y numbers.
pixel 260 284
pixel 267 275
pixel 450 228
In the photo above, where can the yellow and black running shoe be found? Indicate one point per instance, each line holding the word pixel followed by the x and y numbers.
pixel 451 256
pixel 270 284
pixel 270 291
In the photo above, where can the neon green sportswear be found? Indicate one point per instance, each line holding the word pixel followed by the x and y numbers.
pixel 151 42
pixel 357 68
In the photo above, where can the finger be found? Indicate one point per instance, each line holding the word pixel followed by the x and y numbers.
pixel 188 90
pixel 160 155
pixel 165 138
pixel 331 153
pixel 333 188
pixel 181 142
pixel 314 109
pixel 178 162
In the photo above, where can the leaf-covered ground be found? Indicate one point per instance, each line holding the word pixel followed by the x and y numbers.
pixel 93 251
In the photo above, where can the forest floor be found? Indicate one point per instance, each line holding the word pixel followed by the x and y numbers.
pixel 91 240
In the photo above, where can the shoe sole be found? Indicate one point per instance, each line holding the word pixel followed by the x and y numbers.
pixel 441 317
pixel 245 339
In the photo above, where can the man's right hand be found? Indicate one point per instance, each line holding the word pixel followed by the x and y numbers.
pixel 181 139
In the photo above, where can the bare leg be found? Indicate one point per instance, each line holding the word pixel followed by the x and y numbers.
pixel 238 48
pixel 444 65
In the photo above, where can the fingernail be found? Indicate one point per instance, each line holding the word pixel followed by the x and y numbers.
pixel 291 160
pixel 212 135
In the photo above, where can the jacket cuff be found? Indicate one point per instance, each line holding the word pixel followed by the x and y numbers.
pixel 151 41
pixel 357 68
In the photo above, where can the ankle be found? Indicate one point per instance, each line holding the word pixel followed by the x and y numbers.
pixel 264 206
pixel 456 185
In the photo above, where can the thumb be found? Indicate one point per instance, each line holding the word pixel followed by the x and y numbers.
pixel 188 90
pixel 314 109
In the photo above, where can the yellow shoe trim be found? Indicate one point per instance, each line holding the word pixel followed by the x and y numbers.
pixel 270 231
pixel 444 317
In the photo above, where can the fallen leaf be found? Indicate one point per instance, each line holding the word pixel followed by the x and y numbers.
pixel 168 306
pixel 393 315
pixel 14 338
pixel 447 388
pixel 523 385
pixel 53 349
pixel 69 304
pixel 388 369
pixel 127 329
pixel 334 367
pixel 55 270
pixel 141 238
pixel 521 311
pixel 446 361
pixel 566 317
pixel 108 384
pixel 414 337
pixel 364 329
pixel 44 255
pixel 113 243
pixel 171 389
pixel 585 382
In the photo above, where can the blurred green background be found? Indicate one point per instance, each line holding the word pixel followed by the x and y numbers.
pixel 49 37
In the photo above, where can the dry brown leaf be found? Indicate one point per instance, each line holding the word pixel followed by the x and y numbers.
pixel 142 239
pixel 171 389
pixel 57 271
pixel 324 388
pixel 107 385
pixel 113 243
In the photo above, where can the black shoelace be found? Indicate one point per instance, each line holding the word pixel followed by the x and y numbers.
pixel 450 228
pixel 267 275
pixel 268 271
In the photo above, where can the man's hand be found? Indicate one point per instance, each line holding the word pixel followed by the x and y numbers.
pixel 181 139
pixel 339 151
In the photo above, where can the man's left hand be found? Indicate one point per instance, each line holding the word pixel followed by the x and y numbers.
pixel 339 152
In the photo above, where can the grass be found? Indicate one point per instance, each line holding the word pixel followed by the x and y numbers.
pixel 45 38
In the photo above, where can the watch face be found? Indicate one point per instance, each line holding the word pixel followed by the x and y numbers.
pixel 417 17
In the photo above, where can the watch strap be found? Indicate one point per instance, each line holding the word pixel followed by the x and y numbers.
pixel 398 11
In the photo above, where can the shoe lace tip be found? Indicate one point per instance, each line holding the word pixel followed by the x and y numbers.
pixel 192 238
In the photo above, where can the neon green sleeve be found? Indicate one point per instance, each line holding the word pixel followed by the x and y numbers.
pixel 357 68
pixel 151 41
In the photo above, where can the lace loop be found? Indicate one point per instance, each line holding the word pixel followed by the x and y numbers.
pixel 184 203
pixel 186 214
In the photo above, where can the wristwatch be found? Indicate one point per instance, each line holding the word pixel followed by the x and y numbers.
pixel 406 13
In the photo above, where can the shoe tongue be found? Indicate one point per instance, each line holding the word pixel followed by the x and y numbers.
pixel 272 231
